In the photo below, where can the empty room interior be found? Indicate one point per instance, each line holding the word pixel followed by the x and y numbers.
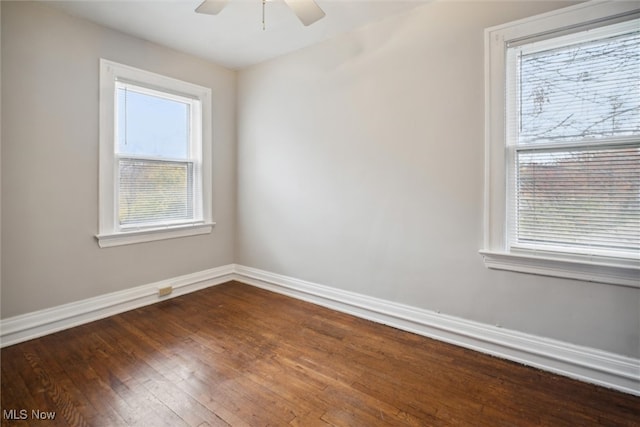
pixel 329 212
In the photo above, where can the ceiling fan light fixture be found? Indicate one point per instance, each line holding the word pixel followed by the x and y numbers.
pixel 211 7
pixel 306 10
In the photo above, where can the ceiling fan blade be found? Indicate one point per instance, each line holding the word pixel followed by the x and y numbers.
pixel 211 7
pixel 306 10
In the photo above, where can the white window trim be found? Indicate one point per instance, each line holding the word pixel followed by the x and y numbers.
pixel 109 233
pixel 496 254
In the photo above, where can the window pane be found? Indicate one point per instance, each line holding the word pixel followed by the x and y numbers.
pixel 154 192
pixel 585 90
pixel 580 199
pixel 152 125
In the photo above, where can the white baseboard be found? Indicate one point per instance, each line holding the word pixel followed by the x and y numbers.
pixel 43 322
pixel 582 363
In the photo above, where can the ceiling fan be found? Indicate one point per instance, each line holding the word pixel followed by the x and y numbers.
pixel 306 10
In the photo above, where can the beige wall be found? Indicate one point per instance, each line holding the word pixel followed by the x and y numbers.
pixel 361 167
pixel 50 70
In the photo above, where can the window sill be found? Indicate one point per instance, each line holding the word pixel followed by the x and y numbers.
pixel 610 272
pixel 150 235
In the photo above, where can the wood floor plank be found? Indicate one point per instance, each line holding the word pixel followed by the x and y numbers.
pixel 96 412
pixel 235 355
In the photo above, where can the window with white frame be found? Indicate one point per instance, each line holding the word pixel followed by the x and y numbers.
pixel 562 191
pixel 155 156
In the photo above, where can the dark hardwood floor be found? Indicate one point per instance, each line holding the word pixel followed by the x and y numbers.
pixel 237 355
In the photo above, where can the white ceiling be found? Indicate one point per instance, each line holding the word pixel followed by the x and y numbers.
pixel 233 38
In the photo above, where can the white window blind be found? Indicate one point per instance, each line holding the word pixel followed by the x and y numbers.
pixel 584 201
pixel 573 142
pixel 154 191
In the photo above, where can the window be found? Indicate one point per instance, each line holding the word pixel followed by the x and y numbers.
pixel 562 190
pixel 155 157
